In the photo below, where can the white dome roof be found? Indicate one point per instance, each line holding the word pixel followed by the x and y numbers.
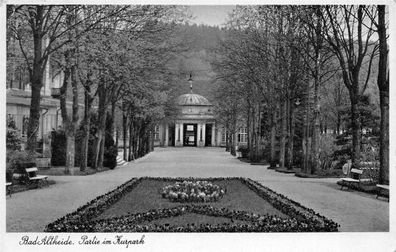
pixel 193 99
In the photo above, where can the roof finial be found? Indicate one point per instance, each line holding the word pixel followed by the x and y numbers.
pixel 190 80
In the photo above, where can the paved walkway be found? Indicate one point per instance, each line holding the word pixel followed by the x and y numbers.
pixel 30 211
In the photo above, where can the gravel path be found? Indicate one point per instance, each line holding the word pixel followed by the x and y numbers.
pixel 30 211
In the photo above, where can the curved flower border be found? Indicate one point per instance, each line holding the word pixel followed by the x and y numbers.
pixel 302 219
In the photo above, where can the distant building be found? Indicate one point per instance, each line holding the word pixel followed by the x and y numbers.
pixel 18 105
pixel 194 125
pixel 18 100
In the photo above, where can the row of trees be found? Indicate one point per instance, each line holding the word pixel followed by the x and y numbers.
pixel 281 62
pixel 113 58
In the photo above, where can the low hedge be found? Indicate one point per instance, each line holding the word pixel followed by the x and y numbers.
pixel 301 219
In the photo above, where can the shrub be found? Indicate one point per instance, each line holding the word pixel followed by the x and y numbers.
pixel 78 149
pixel 298 157
pixel 370 161
pixel 13 141
pixel 20 160
pixel 326 149
pixel 110 157
pixel 9 175
pixel 244 149
pixel 111 152
pixel 58 148
pixel 342 159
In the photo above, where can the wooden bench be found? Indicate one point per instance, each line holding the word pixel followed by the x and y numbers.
pixel 381 189
pixel 34 178
pixel 348 181
pixel 8 188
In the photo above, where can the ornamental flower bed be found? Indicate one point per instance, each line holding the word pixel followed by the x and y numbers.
pixel 193 191
pixel 296 218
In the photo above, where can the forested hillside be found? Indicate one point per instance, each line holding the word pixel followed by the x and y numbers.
pixel 201 42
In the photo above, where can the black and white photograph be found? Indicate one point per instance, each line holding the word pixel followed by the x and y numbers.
pixel 188 126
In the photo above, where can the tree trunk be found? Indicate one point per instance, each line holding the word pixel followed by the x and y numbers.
pixel 249 130
pixel 305 147
pixel 229 140
pixel 36 80
pixel 70 124
pixel 354 96
pixel 384 138
pixel 112 126
pixel 34 117
pixel 257 127
pixel 290 144
pixel 383 86
pixel 125 133
pixel 283 134
pixel 273 140
pixel 101 126
pixel 314 158
pixel 86 128
pixel 70 151
pixel 141 142
pixel 234 130
pixel 135 141
pixel 130 156
pixel 102 150
pixel 117 136
pixel 152 140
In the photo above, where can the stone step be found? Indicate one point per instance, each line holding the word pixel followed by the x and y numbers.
pixel 120 161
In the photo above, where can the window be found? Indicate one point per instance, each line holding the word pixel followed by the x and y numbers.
pixel 242 136
pixel 156 132
pixel 223 135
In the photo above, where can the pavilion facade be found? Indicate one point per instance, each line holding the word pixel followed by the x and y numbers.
pixel 195 125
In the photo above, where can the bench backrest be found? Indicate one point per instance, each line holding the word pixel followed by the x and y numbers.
pixel 33 169
pixel 357 171
pixel 31 172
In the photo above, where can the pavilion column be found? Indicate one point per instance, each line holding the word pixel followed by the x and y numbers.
pixel 181 134
pixel 199 131
pixel 166 143
pixel 213 135
pixel 203 133
pixel 177 137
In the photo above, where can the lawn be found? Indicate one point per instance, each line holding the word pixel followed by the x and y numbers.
pixel 139 206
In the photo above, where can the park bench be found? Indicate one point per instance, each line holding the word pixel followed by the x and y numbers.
pixel 32 176
pixel 8 188
pixel 382 190
pixel 350 180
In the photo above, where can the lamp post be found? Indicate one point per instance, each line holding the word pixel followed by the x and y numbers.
pixel 294 103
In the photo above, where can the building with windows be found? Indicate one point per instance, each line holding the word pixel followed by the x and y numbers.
pixel 19 99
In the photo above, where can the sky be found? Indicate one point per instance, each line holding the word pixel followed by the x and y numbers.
pixel 214 15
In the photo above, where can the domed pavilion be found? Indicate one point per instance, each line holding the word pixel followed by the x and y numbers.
pixel 194 125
